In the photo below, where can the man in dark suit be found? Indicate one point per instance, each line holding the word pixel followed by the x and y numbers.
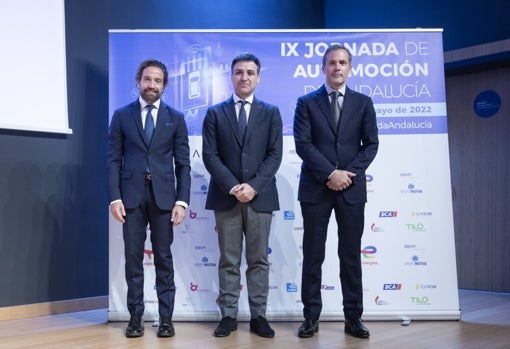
pixel 242 150
pixel 335 132
pixel 146 138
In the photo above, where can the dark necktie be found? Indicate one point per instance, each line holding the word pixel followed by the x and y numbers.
pixel 242 119
pixel 335 108
pixel 149 123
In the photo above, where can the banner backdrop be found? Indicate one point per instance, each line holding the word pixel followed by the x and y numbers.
pixel 408 255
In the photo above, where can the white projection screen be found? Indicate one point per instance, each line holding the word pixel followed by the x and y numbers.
pixel 33 59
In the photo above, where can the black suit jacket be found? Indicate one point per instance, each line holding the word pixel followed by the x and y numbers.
pixel 323 147
pixel 129 153
pixel 231 161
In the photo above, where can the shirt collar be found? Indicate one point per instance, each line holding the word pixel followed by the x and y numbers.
pixel 249 99
pixel 341 90
pixel 143 103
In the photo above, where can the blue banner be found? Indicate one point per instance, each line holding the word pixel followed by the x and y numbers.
pixel 403 72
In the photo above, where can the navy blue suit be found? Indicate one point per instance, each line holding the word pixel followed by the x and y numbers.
pixel 232 160
pixel 129 154
pixel 324 147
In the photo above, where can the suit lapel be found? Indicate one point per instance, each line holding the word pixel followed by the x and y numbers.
pixel 255 112
pixel 136 113
pixel 231 118
pixel 346 112
pixel 324 105
pixel 163 116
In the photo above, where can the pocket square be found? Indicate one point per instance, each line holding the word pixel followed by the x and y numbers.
pixel 168 124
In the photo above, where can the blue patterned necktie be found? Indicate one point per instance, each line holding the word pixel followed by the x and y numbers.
pixel 149 123
pixel 242 119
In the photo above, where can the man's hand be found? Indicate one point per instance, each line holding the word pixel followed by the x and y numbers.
pixel 340 180
pixel 178 213
pixel 118 211
pixel 244 192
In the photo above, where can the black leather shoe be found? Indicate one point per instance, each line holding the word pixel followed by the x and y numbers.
pixel 308 328
pixel 355 328
pixel 135 327
pixel 166 327
pixel 226 325
pixel 261 327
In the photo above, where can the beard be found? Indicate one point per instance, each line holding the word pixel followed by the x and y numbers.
pixel 150 95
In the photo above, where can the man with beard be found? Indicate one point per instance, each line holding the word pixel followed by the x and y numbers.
pixel 149 183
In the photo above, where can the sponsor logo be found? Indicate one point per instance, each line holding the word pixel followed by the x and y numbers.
pixel 376 229
pixel 392 287
pixel 369 251
pixel 411 189
pixel 291 287
pixel 149 253
pixel 196 154
pixel 420 300
pixel 149 261
pixel 421 287
pixel 201 191
pixel 389 214
pixel 155 301
pixel 205 263
pixel 327 287
pixel 415 261
pixel 415 227
pixel 194 215
pixel 379 301
pixel 289 215
pixel 421 214
pixel 203 248
pixel 196 288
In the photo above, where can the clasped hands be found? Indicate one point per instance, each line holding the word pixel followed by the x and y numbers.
pixel 243 192
pixel 340 180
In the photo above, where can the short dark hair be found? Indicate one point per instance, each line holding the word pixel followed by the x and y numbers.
pixel 152 63
pixel 245 57
pixel 336 47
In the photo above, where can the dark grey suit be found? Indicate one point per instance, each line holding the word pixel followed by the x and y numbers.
pixel 230 161
pixel 323 148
